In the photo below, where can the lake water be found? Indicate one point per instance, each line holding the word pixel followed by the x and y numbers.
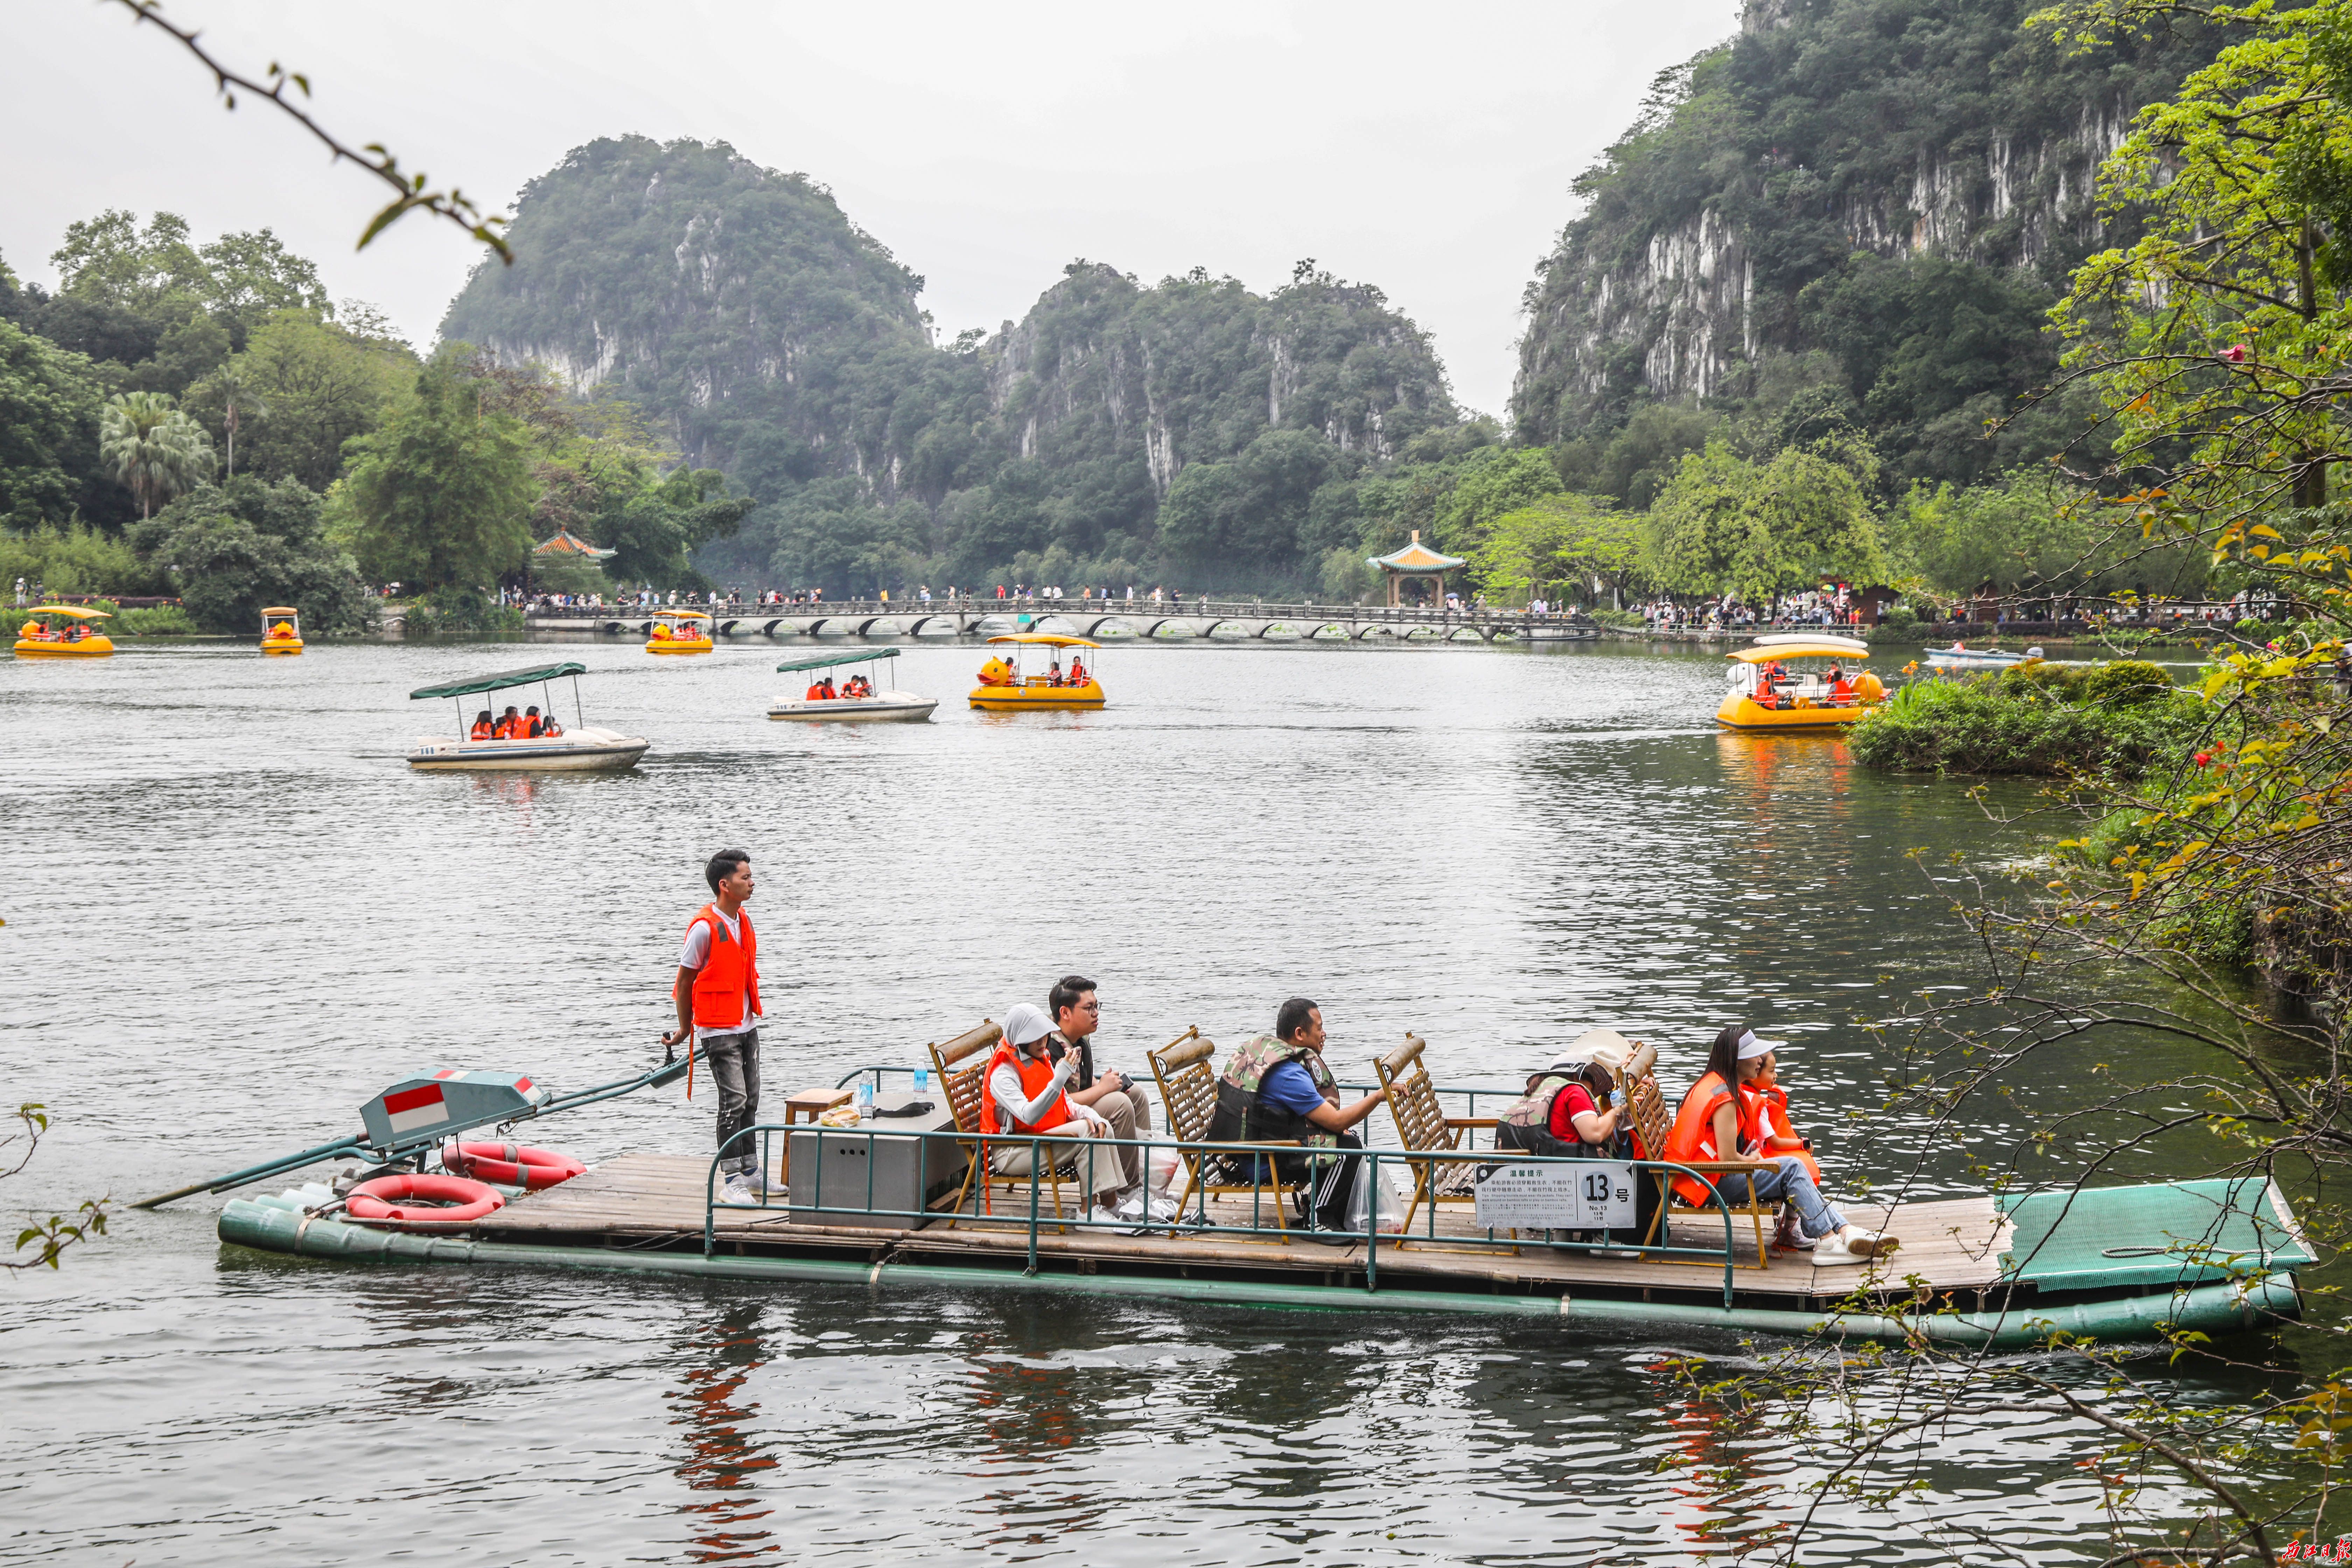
pixel 233 915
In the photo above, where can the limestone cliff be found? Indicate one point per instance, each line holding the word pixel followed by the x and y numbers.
pixel 1899 128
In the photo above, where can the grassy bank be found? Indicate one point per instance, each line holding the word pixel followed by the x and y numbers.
pixel 2053 720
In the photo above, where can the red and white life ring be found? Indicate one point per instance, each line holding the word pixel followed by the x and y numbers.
pixel 509 1164
pixel 439 1200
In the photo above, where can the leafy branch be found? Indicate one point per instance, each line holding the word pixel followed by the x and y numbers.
pixel 56 1233
pixel 410 192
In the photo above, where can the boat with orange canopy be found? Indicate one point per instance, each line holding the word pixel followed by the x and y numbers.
pixel 65 634
pixel 1798 681
pixel 1014 685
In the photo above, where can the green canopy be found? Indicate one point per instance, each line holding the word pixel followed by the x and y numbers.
pixel 500 682
pixel 825 662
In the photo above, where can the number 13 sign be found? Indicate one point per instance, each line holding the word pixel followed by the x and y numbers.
pixel 1589 1194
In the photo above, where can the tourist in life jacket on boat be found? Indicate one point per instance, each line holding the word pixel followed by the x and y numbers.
pixel 1053 676
pixel 510 727
pixel 1076 1011
pixel 485 728
pixel 1027 1097
pixel 1576 1110
pixel 1077 671
pixel 1275 1089
pixel 1764 1124
pixel 1706 1129
pixel 1840 688
pixel 858 686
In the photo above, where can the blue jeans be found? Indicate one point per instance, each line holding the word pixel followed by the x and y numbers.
pixel 1790 1183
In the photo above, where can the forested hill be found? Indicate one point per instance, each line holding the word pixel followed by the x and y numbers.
pixel 772 337
pixel 1871 200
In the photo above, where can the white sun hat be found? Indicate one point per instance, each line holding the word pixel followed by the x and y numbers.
pixel 1024 1022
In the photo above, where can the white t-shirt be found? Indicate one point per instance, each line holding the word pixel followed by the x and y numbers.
pixel 696 952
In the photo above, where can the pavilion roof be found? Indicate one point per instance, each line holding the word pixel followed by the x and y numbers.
pixel 566 543
pixel 1417 557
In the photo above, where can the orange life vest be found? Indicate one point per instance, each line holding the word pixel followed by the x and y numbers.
pixel 729 972
pixel 1692 1141
pixel 486 732
pixel 1035 1075
pixel 815 693
pixel 1764 1113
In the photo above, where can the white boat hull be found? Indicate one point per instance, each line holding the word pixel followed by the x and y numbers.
pixel 882 707
pixel 576 751
pixel 1944 658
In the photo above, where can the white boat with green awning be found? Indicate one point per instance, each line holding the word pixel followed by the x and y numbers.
pixel 578 747
pixel 852 698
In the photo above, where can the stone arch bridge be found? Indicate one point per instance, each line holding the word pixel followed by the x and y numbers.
pixel 1227 619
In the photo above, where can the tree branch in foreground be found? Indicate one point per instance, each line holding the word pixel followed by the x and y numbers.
pixel 56 1233
pixel 378 159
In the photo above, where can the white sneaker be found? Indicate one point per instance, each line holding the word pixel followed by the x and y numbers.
pixel 1852 1245
pixel 1099 1215
pixel 735 1190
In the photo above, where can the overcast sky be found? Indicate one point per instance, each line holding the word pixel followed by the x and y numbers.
pixel 1426 150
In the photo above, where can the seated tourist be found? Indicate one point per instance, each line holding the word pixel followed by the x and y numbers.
pixel 548 727
pixel 1275 1089
pixel 1027 1095
pixel 484 728
pixel 509 725
pixel 1707 1128
pixel 1572 1110
pixel 1054 675
pixel 1077 671
pixel 815 691
pixel 1113 1096
pixel 531 728
pixel 1764 1126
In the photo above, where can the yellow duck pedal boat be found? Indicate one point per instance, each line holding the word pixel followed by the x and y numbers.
pixel 1767 694
pixel 680 631
pixel 1005 688
pixel 68 635
pixel 281 629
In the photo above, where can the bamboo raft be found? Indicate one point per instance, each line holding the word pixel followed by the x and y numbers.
pixel 1959 1277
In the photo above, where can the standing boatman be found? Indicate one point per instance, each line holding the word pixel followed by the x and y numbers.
pixel 718 996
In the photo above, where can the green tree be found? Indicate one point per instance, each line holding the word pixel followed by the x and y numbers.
pixel 440 496
pixel 1494 481
pixel 1726 524
pixel 323 385
pixel 1561 544
pixel 232 391
pixel 234 549
pixel 153 448
pixel 153 272
pixel 50 414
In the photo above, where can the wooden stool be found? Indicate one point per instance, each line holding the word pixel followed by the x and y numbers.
pixel 805 1105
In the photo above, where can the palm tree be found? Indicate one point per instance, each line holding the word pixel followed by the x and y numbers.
pixel 153 448
pixel 239 398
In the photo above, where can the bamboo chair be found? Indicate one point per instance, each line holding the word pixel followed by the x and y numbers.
pixel 1187 1087
pixel 1650 1119
pixel 1423 1128
pixel 966 1086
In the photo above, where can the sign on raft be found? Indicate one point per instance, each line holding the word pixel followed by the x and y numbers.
pixel 1591 1194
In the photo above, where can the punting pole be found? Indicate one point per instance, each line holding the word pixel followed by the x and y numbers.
pixel 276 1224
pixel 357 1143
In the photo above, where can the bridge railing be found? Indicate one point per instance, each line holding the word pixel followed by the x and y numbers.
pixel 1037 609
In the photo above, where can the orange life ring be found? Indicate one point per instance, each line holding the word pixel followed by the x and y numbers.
pixel 509 1164
pixel 442 1200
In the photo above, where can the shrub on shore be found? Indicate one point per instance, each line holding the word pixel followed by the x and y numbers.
pixel 2037 719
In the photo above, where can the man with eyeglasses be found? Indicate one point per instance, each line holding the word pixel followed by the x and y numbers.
pixel 1077 1013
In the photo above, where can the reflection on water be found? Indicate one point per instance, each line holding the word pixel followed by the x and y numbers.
pixel 233 915
pixel 723 1454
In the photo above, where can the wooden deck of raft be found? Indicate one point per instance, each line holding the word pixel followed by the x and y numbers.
pixel 639 1199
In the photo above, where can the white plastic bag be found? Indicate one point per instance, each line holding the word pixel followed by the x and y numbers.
pixel 1369 1189
pixel 1161 1166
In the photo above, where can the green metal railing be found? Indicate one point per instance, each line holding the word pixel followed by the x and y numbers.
pixel 1259 1159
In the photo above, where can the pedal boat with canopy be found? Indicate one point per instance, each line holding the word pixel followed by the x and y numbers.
pixel 883 705
pixel 1767 693
pixel 680 631
pixel 1013 686
pixel 281 629
pixel 582 748
pixel 68 635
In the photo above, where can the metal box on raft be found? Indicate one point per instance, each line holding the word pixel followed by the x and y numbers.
pixel 905 1174
pixel 450 1100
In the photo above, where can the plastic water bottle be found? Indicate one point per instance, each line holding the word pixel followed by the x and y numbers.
pixel 922 1082
pixel 866 1100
